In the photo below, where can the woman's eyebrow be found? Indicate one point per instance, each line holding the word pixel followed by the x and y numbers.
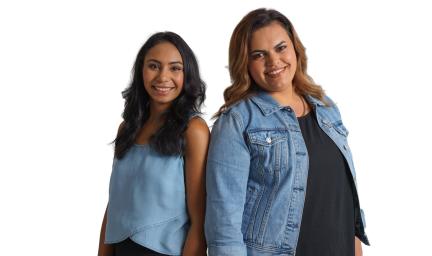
pixel 279 44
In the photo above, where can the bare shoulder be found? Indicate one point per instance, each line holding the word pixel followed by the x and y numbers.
pixel 197 129
pixel 120 127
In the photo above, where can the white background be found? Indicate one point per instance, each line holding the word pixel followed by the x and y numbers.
pixel 64 64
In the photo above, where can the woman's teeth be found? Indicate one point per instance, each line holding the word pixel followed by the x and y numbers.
pixel 275 72
pixel 162 89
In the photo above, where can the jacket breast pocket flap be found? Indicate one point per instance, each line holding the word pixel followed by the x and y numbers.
pixel 267 137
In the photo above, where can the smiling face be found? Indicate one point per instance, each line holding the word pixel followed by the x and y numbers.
pixel 272 59
pixel 163 73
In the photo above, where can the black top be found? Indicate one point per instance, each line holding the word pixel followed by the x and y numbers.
pixel 328 222
pixel 130 248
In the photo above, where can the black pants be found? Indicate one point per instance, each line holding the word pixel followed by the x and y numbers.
pixel 130 248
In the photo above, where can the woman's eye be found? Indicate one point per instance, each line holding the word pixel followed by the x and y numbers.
pixel 281 48
pixel 257 55
pixel 153 66
pixel 176 68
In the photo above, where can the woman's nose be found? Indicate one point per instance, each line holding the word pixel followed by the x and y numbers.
pixel 163 75
pixel 272 59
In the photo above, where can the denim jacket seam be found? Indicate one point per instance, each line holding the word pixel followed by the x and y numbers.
pixel 249 228
pixel 237 118
pixel 270 201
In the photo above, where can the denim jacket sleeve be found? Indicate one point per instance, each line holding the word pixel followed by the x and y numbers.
pixel 226 179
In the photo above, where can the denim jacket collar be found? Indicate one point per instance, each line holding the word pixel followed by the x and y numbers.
pixel 314 101
pixel 268 105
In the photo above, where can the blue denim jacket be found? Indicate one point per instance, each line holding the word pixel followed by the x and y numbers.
pixel 257 171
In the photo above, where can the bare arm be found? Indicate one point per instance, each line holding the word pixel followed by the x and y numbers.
pixel 358 247
pixel 197 138
pixel 104 249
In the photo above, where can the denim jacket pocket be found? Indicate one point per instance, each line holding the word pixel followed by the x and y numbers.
pixel 267 137
pixel 343 134
pixel 250 208
pixel 341 129
pixel 267 147
pixel 335 126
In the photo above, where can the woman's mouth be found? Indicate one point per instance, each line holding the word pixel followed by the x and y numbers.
pixel 162 90
pixel 274 73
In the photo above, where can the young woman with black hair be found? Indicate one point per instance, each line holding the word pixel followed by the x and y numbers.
pixel 157 190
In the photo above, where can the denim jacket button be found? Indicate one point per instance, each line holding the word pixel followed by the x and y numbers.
pixel 268 139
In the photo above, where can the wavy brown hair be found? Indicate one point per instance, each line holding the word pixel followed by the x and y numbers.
pixel 243 85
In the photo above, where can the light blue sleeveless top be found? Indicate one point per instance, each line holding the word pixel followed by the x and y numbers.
pixel 147 201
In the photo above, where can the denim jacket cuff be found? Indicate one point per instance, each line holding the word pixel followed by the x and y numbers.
pixel 360 229
pixel 227 250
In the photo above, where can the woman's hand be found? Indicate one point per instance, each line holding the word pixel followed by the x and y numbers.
pixel 195 244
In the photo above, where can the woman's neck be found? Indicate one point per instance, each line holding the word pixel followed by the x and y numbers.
pixel 291 98
pixel 288 97
pixel 157 111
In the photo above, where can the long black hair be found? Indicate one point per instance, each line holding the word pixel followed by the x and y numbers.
pixel 168 140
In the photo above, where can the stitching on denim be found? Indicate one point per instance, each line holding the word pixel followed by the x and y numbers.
pixel 270 201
